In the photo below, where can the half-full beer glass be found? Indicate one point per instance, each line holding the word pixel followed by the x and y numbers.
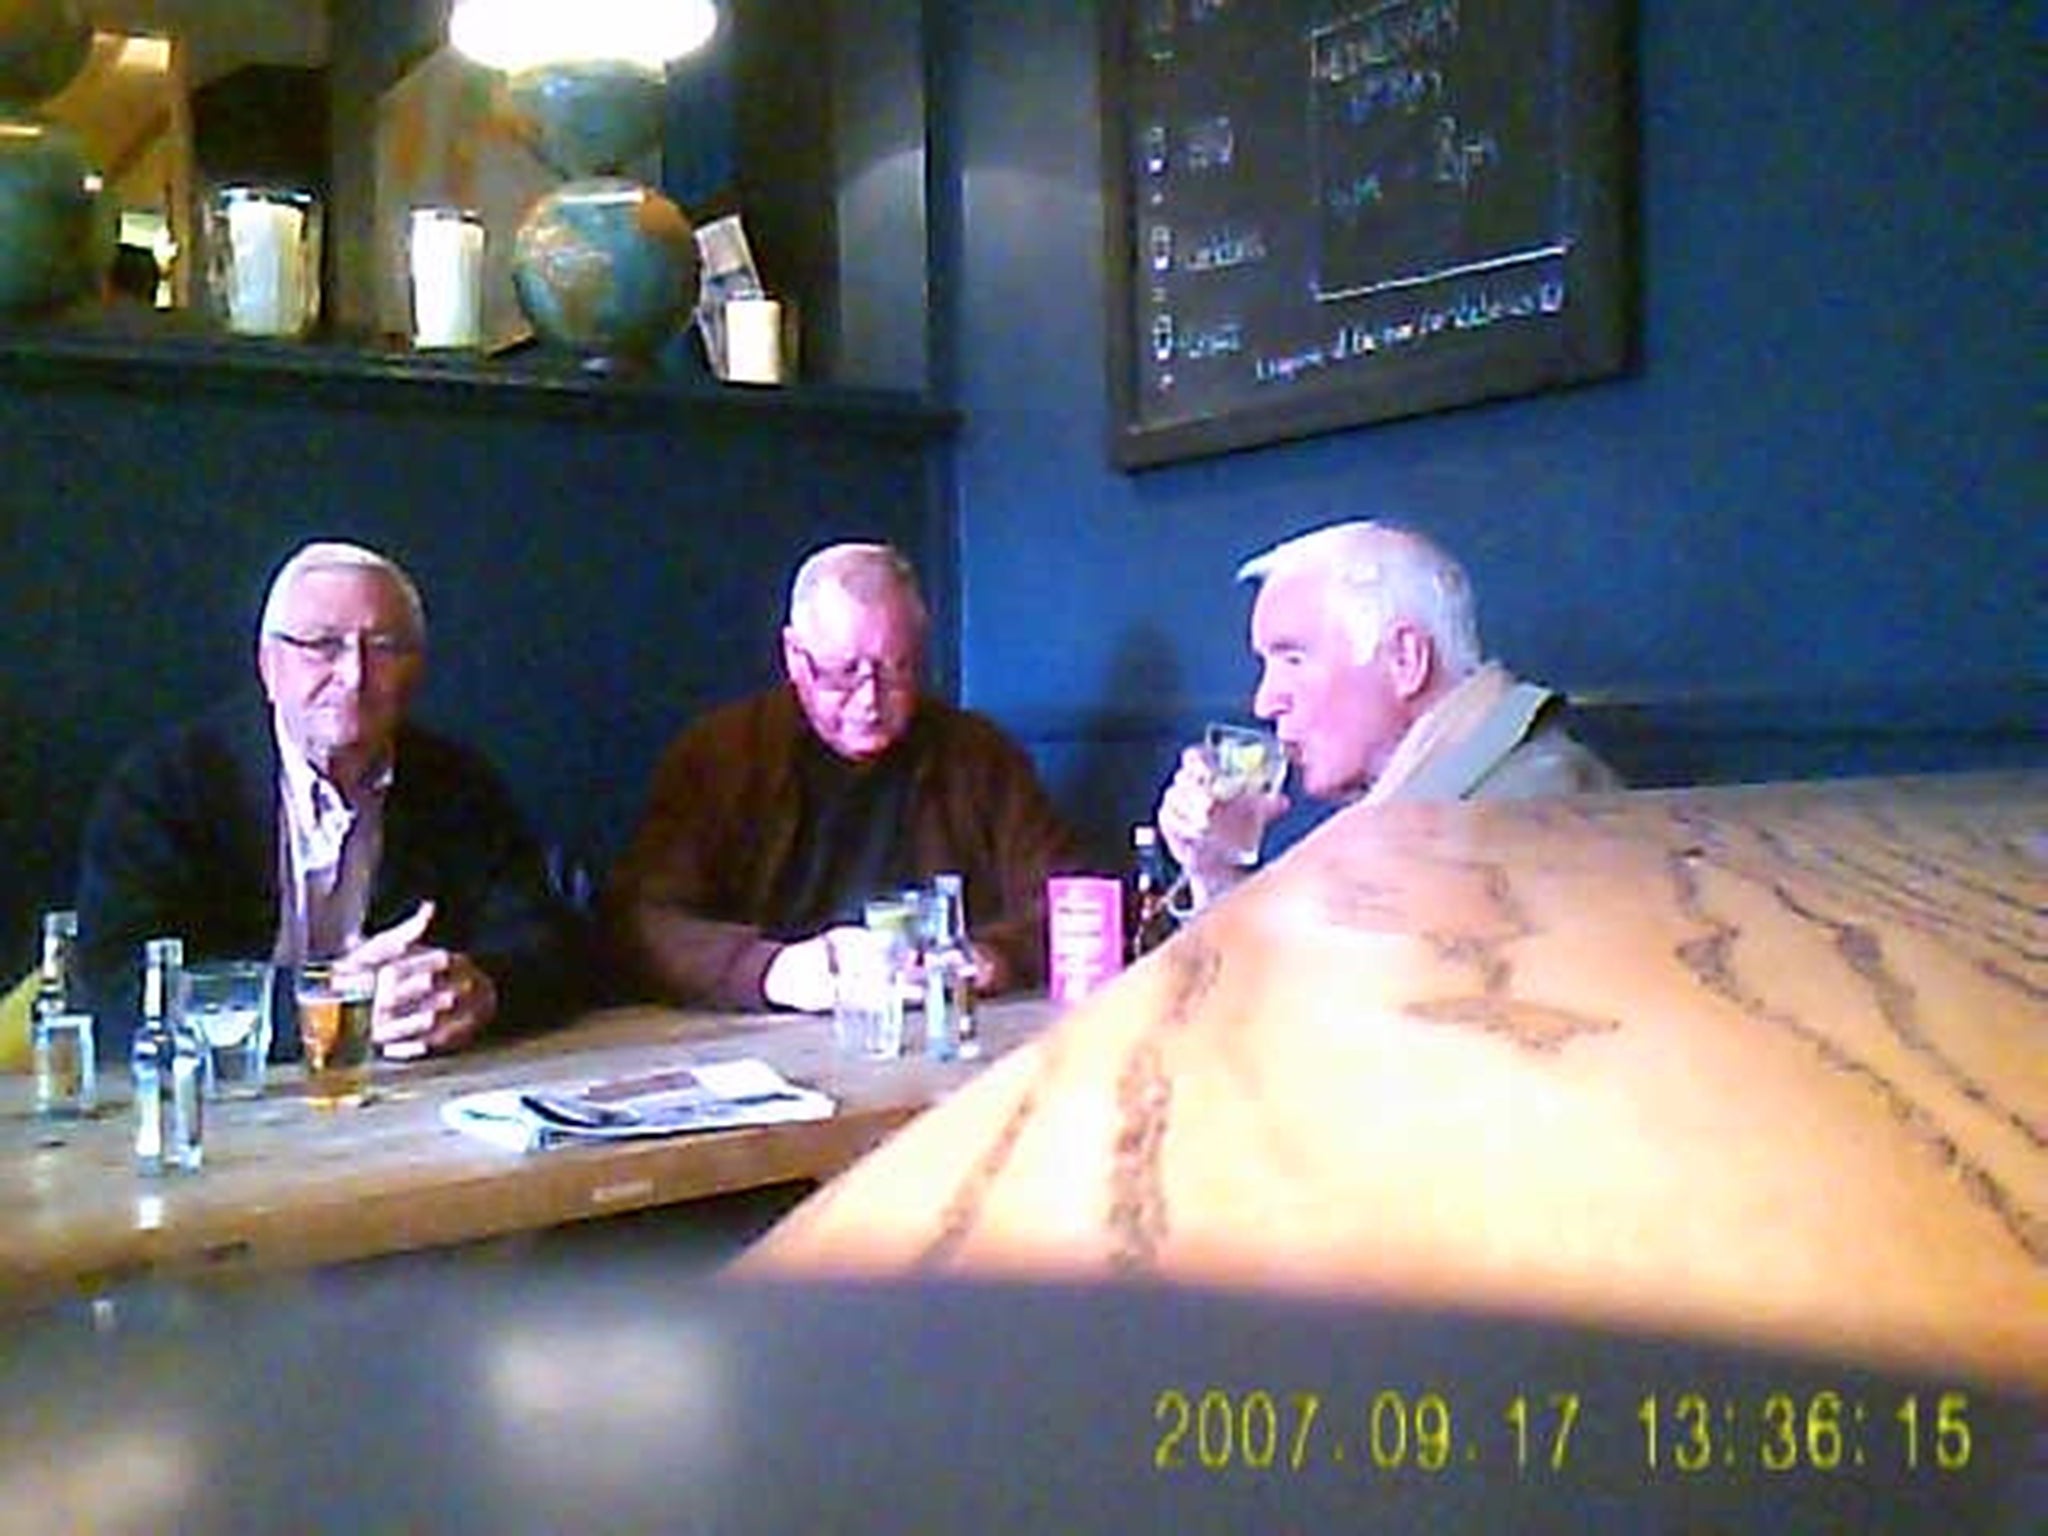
pixel 334 1009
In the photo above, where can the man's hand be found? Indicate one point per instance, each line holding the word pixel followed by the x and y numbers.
pixel 428 998
pixel 991 975
pixel 1199 828
pixel 804 975
pixel 801 974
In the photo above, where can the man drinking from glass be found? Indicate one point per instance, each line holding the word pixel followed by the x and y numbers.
pixel 1372 676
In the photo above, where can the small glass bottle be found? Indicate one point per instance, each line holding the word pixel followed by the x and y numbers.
pixel 185 1146
pixel 61 1040
pixel 950 1027
pixel 148 1061
pixel 1148 897
pixel 168 1068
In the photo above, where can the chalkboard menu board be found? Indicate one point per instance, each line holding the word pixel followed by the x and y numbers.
pixel 1323 214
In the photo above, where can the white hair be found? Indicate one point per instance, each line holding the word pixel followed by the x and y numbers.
pixel 333 555
pixel 1375 573
pixel 867 573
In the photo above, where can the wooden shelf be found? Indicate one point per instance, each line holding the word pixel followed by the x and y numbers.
pixel 534 382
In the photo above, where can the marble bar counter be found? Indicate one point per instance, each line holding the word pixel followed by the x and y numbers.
pixel 1754 1066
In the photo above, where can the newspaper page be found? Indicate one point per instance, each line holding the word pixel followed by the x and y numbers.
pixel 696 1096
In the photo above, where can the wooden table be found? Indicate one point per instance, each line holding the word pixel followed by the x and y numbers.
pixel 288 1184
pixel 1765 1065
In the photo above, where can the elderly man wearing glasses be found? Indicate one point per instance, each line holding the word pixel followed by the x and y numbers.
pixel 774 818
pixel 327 826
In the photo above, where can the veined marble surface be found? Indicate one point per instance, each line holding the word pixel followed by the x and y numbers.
pixel 1760 1064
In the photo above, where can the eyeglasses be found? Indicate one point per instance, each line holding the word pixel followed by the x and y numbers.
pixel 329 649
pixel 847 676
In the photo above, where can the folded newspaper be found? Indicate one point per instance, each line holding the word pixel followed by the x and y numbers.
pixel 704 1096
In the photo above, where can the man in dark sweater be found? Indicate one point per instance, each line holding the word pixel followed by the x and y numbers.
pixel 328 827
pixel 774 818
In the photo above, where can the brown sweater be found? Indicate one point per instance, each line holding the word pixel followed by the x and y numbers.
pixel 688 903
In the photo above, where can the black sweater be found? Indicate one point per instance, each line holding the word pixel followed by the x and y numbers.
pixel 182 841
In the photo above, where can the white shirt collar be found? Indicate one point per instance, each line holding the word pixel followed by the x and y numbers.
pixel 317 812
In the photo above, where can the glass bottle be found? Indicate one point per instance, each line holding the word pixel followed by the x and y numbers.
pixel 61 1040
pixel 950 1027
pixel 1148 899
pixel 168 1067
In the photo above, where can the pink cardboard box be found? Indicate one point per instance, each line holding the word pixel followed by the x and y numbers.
pixel 1084 934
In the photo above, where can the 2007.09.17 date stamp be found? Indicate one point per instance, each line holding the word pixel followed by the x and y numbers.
pixel 1555 1432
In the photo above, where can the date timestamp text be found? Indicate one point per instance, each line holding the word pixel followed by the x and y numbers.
pixel 1680 1433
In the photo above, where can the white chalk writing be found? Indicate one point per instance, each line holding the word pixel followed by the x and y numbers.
pixel 1211 144
pixel 1222 340
pixel 1396 31
pixel 1401 88
pixel 1162 338
pixel 1226 248
pixel 1291 365
pixel 1348 201
pixel 1459 160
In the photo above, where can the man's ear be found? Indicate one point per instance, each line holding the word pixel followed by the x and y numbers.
pixel 1410 657
pixel 266 658
pixel 790 647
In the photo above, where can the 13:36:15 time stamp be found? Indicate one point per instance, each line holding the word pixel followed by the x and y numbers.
pixel 1680 1432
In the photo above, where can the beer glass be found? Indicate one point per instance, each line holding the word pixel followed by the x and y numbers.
pixel 334 1008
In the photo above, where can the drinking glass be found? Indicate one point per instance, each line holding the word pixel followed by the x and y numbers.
pixel 901 918
pixel 334 1009
pixel 228 1003
pixel 1245 763
pixel 867 998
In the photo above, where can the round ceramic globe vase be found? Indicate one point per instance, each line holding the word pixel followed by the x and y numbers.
pixel 57 224
pixel 602 266
pixel 605 267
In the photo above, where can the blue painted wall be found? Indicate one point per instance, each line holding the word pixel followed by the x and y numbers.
pixel 1805 536
pixel 592 580
pixel 596 571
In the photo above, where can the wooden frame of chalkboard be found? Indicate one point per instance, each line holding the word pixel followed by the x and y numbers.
pixel 1322 214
